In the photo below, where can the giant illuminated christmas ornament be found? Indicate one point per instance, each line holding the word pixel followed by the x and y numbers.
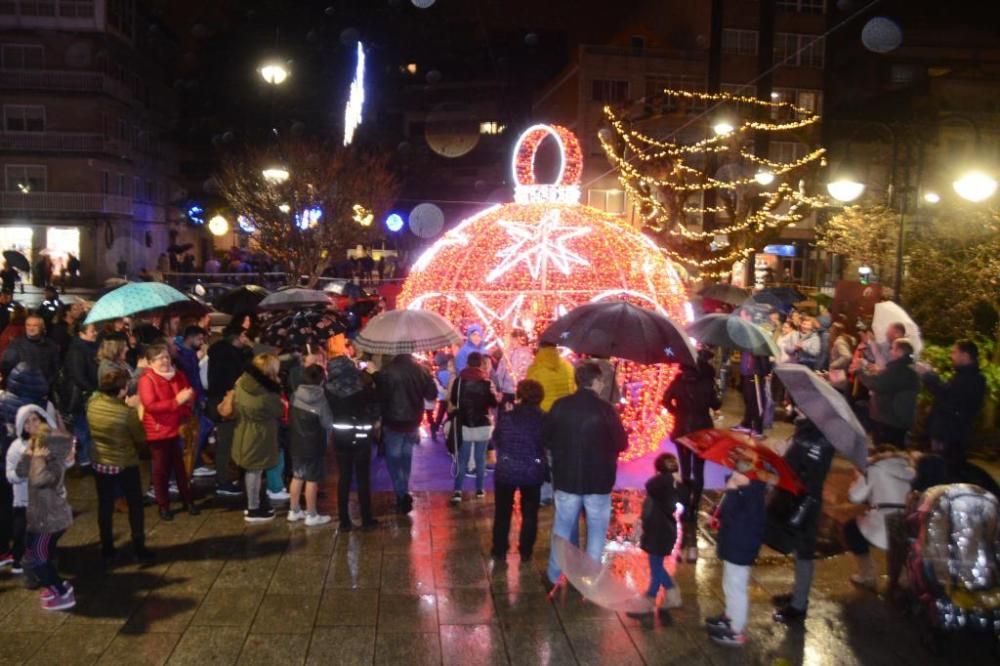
pixel 520 265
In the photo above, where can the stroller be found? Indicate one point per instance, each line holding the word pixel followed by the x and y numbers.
pixel 953 561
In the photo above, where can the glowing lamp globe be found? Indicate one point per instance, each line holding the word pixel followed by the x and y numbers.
pixel 523 264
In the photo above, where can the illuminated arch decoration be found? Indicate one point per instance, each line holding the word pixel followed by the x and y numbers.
pixel 522 264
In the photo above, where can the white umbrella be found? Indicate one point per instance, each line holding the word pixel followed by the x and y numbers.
pixel 405 332
pixel 888 313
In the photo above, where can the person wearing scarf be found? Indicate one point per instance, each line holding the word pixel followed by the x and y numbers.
pixel 166 398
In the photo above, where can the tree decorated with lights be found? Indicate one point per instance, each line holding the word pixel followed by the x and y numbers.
pixel 311 206
pixel 672 184
pixel 523 264
pixel 866 235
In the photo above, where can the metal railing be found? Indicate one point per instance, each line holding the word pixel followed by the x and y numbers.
pixel 53 141
pixel 81 202
pixel 627 52
pixel 63 80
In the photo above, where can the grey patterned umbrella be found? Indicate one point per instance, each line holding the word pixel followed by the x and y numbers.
pixel 405 332
pixel 294 299
pixel 731 332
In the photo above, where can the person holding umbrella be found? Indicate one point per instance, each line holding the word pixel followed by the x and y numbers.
pixel 894 390
pixel 690 399
pixel 9 277
pixel 754 370
pixel 810 456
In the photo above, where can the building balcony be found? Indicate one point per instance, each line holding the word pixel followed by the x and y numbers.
pixel 83 203
pixel 644 53
pixel 68 142
pixel 58 80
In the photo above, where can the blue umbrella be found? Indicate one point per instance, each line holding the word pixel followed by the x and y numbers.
pixel 133 298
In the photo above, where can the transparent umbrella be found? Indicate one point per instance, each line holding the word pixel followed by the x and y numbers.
pixel 599 583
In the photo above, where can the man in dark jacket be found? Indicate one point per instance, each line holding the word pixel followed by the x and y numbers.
pixel 956 405
pixel 894 390
pixel 34 349
pixel 227 359
pixel 81 374
pixel 809 456
pixel 403 386
pixel 585 436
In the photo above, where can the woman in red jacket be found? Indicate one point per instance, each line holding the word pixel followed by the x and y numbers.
pixel 167 399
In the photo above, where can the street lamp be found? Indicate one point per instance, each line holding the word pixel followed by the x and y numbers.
pixel 275 174
pixel 218 225
pixel 932 198
pixel 845 190
pixel 274 73
pixel 975 186
pixel 764 177
pixel 723 128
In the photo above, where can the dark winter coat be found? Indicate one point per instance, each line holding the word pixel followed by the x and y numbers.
pixel 187 362
pixel 403 386
pixel 343 377
pixel 751 365
pixel 741 524
pixel 810 456
pixel 39 352
pixel 956 403
pixel 48 510
pixel 81 370
pixel 473 394
pixel 894 393
pixel 659 528
pixel 585 436
pixel 690 397
pixel 521 457
pixel 310 421
pixel 25 385
pixel 258 408
pixel 225 365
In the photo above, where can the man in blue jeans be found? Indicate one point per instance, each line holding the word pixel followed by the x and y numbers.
pixel 403 386
pixel 585 437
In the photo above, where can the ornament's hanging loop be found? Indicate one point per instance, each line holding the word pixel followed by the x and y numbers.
pixel 566 189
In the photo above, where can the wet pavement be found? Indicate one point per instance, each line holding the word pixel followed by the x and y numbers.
pixel 419 590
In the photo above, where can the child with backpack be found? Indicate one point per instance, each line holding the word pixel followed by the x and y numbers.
pixel 659 533
pixel 741 533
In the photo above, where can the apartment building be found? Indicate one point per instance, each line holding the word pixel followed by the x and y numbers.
pixel 86 162
pixel 669 44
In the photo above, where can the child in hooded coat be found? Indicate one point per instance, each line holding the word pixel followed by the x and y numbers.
pixel 29 418
pixel 49 514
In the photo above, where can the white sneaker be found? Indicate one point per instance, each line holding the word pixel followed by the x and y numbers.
pixel 296 516
pixel 203 471
pixel 280 496
pixel 317 519
pixel 456 497
pixel 173 489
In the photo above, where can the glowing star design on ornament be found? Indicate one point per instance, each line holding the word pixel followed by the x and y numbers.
pixel 537 245
pixel 489 317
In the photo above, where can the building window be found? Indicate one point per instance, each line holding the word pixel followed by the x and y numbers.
pixel 38 7
pixel 609 91
pixel 491 127
pixel 22 56
pixel 150 191
pixel 122 187
pixel 786 151
pixel 105 182
pixel 656 102
pixel 19 118
pixel 121 15
pixel 802 6
pixel 610 201
pixel 794 49
pixel 25 178
pixel 810 100
pixel 76 8
pixel 8 8
pixel 637 44
pixel 739 42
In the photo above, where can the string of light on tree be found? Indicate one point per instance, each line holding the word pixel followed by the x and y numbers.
pixel 666 179
pixel 520 265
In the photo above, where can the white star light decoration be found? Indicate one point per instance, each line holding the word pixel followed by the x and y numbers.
pixel 536 245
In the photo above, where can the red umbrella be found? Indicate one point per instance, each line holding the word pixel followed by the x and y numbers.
pixel 726 449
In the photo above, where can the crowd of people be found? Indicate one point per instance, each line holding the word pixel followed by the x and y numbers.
pixel 263 422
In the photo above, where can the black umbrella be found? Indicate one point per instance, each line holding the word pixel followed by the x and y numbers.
pixel 241 299
pixel 293 332
pixel 181 248
pixel 622 330
pixel 732 332
pixel 725 293
pixel 785 295
pixel 17 260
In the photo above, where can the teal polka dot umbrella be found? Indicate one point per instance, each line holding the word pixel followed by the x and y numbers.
pixel 133 298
